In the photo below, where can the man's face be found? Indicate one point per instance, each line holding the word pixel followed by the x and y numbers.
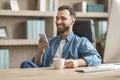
pixel 63 21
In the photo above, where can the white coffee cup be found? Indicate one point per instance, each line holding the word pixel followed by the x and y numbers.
pixel 59 63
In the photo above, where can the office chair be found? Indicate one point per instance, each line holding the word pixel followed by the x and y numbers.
pixel 85 28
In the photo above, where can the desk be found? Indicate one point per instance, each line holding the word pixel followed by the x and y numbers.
pixel 54 74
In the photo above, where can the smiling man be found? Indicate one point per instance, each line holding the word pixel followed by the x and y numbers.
pixel 77 51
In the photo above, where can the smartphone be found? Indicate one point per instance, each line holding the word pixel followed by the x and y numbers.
pixel 43 36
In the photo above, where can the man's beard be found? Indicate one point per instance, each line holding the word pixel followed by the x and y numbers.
pixel 65 29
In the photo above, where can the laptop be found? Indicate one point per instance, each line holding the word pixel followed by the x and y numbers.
pixel 112 48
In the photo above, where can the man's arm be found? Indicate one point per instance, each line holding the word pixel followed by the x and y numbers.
pixel 38 57
pixel 42 45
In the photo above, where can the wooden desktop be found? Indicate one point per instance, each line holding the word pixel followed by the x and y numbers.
pixel 53 74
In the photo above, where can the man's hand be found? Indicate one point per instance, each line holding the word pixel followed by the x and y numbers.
pixel 70 63
pixel 43 44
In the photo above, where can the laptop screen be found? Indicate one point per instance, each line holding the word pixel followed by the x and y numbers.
pixel 112 48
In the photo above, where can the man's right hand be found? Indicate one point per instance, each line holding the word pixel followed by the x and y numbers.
pixel 43 44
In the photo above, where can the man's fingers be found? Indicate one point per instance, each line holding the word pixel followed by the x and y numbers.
pixel 68 63
pixel 43 44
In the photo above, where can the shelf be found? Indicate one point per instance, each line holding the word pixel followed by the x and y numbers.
pixel 26 13
pixel 24 42
pixel 18 42
pixel 93 15
pixel 51 14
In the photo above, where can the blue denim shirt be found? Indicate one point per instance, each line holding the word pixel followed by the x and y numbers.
pixel 75 47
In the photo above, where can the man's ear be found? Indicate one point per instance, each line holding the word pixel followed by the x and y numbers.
pixel 73 20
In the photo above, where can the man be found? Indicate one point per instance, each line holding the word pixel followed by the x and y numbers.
pixel 77 51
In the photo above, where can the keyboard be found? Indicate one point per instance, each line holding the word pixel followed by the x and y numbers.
pixel 90 69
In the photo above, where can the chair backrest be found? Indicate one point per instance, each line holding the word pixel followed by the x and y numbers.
pixel 85 28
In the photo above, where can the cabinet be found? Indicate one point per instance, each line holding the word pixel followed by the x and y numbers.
pixel 19 47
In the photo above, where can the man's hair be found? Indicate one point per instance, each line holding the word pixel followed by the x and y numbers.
pixel 71 10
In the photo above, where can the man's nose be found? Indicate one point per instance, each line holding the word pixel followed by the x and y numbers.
pixel 59 21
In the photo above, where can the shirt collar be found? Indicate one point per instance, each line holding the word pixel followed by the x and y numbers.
pixel 69 37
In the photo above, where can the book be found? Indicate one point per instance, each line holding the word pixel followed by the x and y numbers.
pixel 34 28
pixel 101 29
pixel 29 29
pixel 95 8
pixel 4 58
pixel 50 5
pixel 14 5
pixel 81 6
pixel 41 5
pixel 1 59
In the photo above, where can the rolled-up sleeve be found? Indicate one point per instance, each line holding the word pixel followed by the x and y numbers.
pixel 89 53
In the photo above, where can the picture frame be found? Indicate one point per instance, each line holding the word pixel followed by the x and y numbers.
pixel 14 5
pixel 3 32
